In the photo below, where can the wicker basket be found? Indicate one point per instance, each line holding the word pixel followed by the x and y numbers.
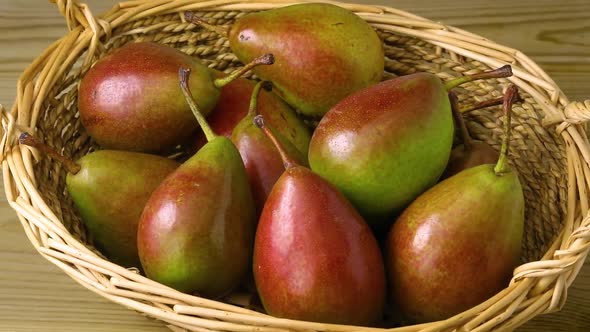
pixel 551 153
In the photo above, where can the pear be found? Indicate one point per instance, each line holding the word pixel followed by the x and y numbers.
pixel 323 52
pixel 234 105
pixel 262 160
pixel 457 244
pixel 315 258
pixel 386 144
pixel 471 152
pixel 110 189
pixel 130 100
pixel 197 230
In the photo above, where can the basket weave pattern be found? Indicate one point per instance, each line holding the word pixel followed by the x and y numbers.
pixel 550 151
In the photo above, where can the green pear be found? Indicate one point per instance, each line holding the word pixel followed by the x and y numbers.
pixel 457 244
pixel 197 230
pixel 110 189
pixel 323 52
pixel 386 144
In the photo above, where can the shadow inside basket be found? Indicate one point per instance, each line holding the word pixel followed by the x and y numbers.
pixel 537 153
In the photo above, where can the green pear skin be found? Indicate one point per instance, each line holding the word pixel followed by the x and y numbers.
pixel 196 232
pixel 456 245
pixel 110 192
pixel 322 53
pixel 386 144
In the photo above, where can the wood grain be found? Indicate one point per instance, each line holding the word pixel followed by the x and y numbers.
pixel 37 296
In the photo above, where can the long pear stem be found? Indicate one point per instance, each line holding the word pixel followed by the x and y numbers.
pixel 504 71
pixel 467 140
pixel 509 96
pixel 266 59
pixel 192 18
pixel 489 103
pixel 287 161
pixel 253 110
pixel 30 140
pixel 184 74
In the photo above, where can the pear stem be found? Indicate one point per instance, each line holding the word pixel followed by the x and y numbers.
pixel 467 140
pixel 287 161
pixel 266 59
pixel 70 165
pixel 184 74
pixel 489 103
pixel 509 98
pixel 504 71
pixel 253 110
pixel 192 18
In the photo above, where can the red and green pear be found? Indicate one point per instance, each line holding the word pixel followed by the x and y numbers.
pixel 196 232
pixel 109 189
pixel 233 106
pixel 262 160
pixel 386 144
pixel 315 258
pixel 323 52
pixel 130 99
pixel 457 244
pixel 471 152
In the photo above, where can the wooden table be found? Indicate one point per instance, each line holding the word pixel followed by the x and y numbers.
pixel 37 296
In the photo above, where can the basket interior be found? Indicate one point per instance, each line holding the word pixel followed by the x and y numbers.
pixel 538 154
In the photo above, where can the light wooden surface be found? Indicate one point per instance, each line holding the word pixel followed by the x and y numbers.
pixel 37 296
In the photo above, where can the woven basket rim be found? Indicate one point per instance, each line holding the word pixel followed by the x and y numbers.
pixel 537 287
